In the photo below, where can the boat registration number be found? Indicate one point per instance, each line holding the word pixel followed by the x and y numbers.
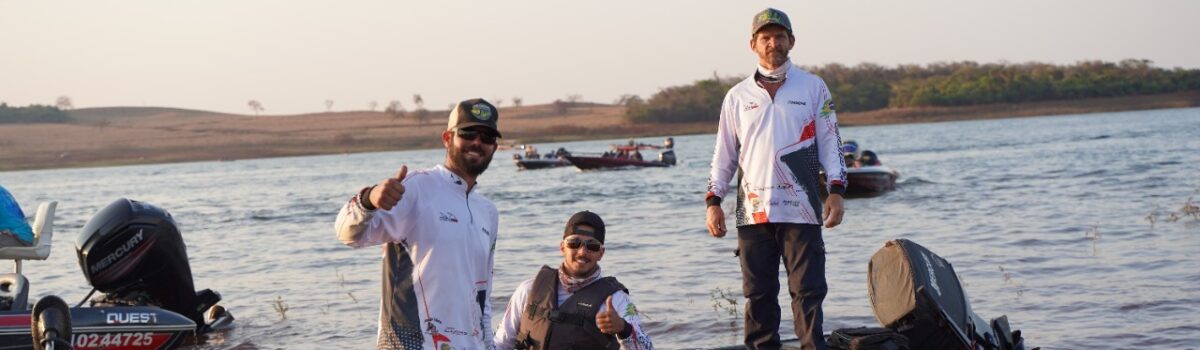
pixel 109 340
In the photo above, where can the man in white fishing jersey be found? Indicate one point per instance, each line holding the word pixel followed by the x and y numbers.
pixel 777 130
pixel 440 239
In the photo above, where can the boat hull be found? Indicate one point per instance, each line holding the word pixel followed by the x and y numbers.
pixel 532 164
pixel 870 180
pixel 590 163
pixel 113 328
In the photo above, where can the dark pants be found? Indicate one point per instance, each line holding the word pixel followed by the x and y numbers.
pixel 760 248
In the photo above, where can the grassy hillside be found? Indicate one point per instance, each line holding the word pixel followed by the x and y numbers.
pixel 86 115
pixel 139 135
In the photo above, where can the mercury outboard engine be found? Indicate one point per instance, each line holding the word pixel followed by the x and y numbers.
pixel 133 252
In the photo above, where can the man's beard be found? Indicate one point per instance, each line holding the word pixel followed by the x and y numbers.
pixel 458 155
pixel 777 57
pixel 583 274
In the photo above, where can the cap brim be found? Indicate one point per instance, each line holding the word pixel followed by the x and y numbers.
pixel 764 25
pixel 470 124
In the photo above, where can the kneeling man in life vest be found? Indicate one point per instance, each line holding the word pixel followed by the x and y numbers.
pixel 573 306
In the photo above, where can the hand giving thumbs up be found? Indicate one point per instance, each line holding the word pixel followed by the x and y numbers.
pixel 388 192
pixel 608 320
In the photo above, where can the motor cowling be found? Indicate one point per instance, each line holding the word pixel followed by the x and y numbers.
pixel 667 157
pixel 133 250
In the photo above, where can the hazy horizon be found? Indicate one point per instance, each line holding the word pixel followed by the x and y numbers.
pixel 292 56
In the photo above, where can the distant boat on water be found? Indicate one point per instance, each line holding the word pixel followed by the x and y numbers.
pixel 622 156
pixel 532 160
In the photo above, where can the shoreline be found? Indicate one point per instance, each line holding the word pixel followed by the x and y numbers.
pixel 118 136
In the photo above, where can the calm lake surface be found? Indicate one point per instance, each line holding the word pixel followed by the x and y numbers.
pixel 1044 218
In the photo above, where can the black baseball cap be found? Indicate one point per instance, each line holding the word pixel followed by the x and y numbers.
pixel 585 218
pixel 768 17
pixel 474 112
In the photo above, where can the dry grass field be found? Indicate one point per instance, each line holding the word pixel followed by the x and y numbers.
pixel 136 135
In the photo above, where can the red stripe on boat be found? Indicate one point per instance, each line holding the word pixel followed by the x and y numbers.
pixel 14 321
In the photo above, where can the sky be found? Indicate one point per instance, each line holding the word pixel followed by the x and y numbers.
pixel 294 55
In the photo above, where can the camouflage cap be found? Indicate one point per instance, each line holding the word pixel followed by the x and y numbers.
pixel 474 112
pixel 768 17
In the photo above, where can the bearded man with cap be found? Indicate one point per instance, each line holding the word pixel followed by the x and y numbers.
pixel 439 236
pixel 777 129
pixel 573 306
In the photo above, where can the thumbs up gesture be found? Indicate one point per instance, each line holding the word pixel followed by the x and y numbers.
pixel 608 320
pixel 388 192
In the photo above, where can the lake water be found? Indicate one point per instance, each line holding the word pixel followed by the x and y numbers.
pixel 1044 218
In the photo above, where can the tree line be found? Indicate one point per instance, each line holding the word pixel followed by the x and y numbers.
pixel 871 86
pixel 32 114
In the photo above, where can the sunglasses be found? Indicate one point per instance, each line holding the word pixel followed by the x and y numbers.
pixel 472 135
pixel 592 245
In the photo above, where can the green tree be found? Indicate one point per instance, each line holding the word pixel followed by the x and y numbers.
pixel 32 114
pixel 869 86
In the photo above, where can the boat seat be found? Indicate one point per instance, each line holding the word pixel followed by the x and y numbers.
pixel 14 292
pixel 43 234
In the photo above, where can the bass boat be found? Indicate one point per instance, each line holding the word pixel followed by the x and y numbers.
pixel 869 181
pixel 625 156
pixel 131 252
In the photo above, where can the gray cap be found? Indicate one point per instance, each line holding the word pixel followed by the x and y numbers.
pixel 770 16
pixel 474 112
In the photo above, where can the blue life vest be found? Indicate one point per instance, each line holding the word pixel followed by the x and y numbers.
pixel 12 219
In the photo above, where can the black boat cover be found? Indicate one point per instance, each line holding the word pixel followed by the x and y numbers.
pixel 910 286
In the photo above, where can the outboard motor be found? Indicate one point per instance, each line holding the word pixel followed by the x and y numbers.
pixel 667 157
pixel 917 293
pixel 133 252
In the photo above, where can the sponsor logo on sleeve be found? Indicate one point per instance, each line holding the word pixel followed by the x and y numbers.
pixel 827 108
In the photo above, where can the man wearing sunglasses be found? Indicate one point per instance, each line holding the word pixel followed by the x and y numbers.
pixel 573 306
pixel 439 238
